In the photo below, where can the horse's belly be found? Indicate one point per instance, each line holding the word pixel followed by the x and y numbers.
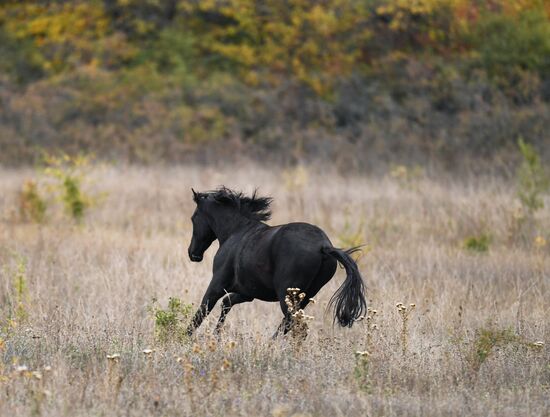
pixel 255 281
pixel 254 290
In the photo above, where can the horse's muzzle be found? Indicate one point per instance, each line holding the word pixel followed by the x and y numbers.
pixel 195 258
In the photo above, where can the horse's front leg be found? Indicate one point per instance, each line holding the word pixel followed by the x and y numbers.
pixel 213 293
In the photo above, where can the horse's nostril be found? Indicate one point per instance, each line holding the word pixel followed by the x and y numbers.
pixel 195 258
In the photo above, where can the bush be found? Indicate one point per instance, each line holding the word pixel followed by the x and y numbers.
pixel 31 204
pixel 171 323
pixel 486 340
pixel 533 180
pixel 70 173
pixel 20 60
pixel 477 243
pixel 16 302
pixel 506 43
pixel 354 83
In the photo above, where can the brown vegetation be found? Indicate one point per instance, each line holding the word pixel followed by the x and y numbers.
pixel 77 329
pixel 358 83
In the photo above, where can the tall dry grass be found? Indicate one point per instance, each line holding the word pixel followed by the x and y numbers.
pixel 470 340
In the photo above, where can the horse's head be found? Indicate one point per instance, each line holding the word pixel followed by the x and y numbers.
pixel 203 235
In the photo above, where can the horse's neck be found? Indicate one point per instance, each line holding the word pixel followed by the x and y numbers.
pixel 228 225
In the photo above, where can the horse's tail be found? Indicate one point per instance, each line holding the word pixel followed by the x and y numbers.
pixel 349 300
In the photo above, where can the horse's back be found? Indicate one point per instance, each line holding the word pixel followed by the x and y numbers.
pixel 301 236
pixel 299 242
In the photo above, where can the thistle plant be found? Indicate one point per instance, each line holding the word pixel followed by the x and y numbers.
pixel 404 313
pixel 361 371
pixel 203 371
pixel 371 328
pixel 113 377
pixel 34 382
pixel 298 325
pixel 362 357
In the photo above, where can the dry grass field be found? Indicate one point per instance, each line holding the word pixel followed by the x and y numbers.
pixel 476 343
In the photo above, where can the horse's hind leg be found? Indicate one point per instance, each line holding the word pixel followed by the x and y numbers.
pixel 300 277
pixel 286 323
pixel 325 274
pixel 284 327
pixel 326 271
pixel 227 303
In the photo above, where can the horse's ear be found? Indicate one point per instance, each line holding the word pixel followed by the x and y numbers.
pixel 198 196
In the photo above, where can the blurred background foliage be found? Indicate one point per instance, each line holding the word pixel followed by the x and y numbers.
pixel 354 82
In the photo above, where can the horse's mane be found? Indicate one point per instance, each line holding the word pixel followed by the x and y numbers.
pixel 253 207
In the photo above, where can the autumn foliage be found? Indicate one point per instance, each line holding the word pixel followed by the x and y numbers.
pixel 197 63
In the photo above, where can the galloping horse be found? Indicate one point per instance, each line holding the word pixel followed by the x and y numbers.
pixel 255 260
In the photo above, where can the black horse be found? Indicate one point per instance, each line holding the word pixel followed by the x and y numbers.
pixel 255 260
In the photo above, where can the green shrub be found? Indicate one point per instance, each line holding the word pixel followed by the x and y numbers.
pixel 17 301
pixel 171 323
pixel 20 60
pixel 70 172
pixel 477 243
pixel 20 290
pixel 486 340
pixel 172 52
pixel 31 204
pixel 72 197
pixel 533 180
pixel 505 43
